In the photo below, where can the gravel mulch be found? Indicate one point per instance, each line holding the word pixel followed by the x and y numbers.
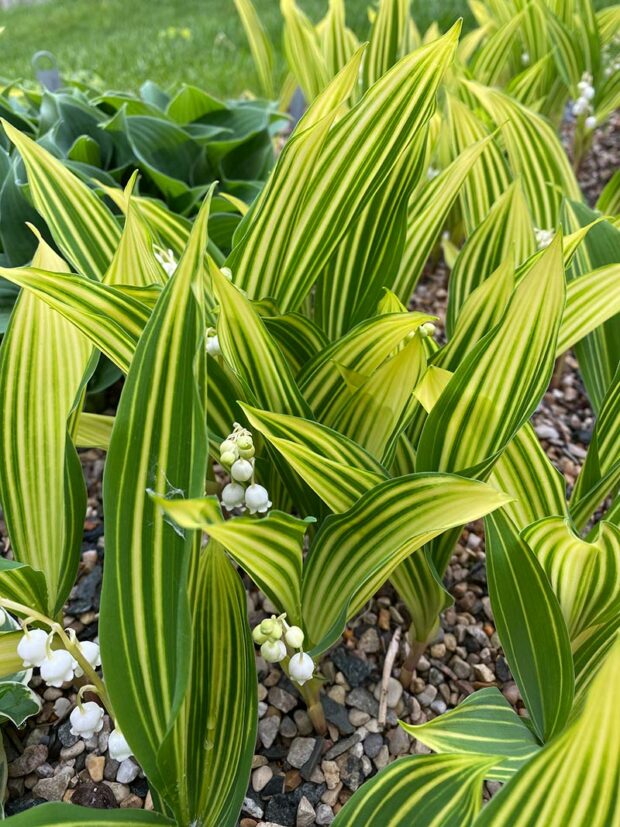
pixel 299 779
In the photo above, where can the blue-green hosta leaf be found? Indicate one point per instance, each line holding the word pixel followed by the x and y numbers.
pixel 584 574
pixel 425 790
pixel 531 627
pixel 572 780
pixel 158 442
pixel 484 724
pixel 356 551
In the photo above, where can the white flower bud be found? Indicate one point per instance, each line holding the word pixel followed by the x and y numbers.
pixel 118 748
pixel 590 122
pixel 88 720
pixel 90 650
pixel 273 651
pixel 294 636
pixel 580 106
pixel 301 668
pixel 227 458
pixel 213 346
pixel 525 58
pixel 588 92
pixel 233 496
pixel 258 636
pixel 57 668
pixel 271 628
pixel 427 329
pixel 32 648
pixel 242 470
pixel 229 446
pixel 257 499
pixel 227 272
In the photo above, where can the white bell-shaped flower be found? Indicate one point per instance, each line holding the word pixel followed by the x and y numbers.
pixel 525 58
pixel 213 346
pixel 118 748
pixel 257 499
pixel 273 651
pixel 294 636
pixel 91 652
pixel 590 122
pixel 301 668
pixel 57 668
pixel 32 648
pixel 86 720
pixel 241 470
pixel 588 92
pixel 233 496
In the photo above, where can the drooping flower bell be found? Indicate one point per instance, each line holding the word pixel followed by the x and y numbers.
pixel 242 470
pixel 257 499
pixel 294 637
pixel 91 653
pixel 233 496
pixel 118 748
pixel 301 668
pixel 32 648
pixel 213 343
pixel 273 651
pixel 57 668
pixel 86 720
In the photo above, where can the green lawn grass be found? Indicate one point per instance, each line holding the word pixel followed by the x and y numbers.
pixel 124 42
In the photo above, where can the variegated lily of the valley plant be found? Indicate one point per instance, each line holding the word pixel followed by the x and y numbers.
pixel 357 447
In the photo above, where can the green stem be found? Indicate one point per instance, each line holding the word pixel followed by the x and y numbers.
pixel 70 646
pixel 311 693
pixel 408 668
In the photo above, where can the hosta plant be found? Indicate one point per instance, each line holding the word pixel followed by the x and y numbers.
pixel 284 413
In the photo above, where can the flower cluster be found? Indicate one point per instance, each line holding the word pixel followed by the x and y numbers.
pixel 57 666
pixel 543 237
pixel 275 637
pixel 237 457
pixel 213 343
pixel 166 259
pixel 426 329
pixel 583 104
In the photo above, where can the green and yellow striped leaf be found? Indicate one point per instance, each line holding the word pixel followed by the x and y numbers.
pixel 600 473
pixel 358 154
pixel 268 549
pixel 260 46
pixel 599 353
pixel 591 299
pixel 337 469
pixel 94 431
pixel 351 286
pixel 70 815
pixel 81 225
pixel 10 661
pixel 208 755
pixel 356 551
pixel 303 51
pixel 497 387
pixel 534 153
pixel 585 575
pixel 507 228
pixel 573 779
pixel 483 724
pixel 24 584
pixel 251 350
pixel 421 789
pixel 374 415
pixel 589 654
pixel 111 318
pixel 363 350
pixel 44 364
pixel 531 627
pixel 158 443
pixel 339 42
pixel 489 177
pixel 426 217
pixel 388 37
